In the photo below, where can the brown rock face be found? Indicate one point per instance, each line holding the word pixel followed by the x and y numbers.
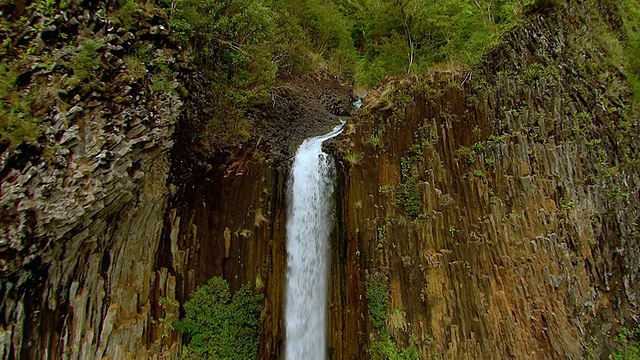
pixel 501 204
pixel 230 222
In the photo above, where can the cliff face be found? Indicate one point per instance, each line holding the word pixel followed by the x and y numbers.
pixel 230 222
pixel 499 206
pixel 83 210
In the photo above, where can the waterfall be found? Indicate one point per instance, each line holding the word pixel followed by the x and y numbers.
pixel 309 224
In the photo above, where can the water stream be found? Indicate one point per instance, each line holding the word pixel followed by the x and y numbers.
pixel 309 225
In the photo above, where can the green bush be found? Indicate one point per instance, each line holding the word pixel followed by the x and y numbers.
pixel 451 31
pixel 377 294
pixel 85 62
pixel 230 39
pixel 219 325
pixel 628 348
pixel 381 345
pixel 630 11
pixel 386 349
pixel 408 195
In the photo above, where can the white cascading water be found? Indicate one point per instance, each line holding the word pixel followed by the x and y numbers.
pixel 309 224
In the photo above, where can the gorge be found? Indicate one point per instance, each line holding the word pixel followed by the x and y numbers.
pixel 481 211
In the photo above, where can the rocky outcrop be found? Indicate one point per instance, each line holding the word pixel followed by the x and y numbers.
pixel 500 205
pixel 82 211
pixel 69 224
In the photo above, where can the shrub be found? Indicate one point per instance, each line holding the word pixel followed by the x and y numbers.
pixel 408 195
pixel 17 123
pixel 219 325
pixel 386 349
pixel 377 294
pixel 85 62
pixel 628 348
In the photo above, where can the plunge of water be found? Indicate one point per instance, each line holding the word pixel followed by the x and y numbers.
pixel 309 225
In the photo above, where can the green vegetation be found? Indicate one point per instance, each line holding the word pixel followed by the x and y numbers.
pixel 255 40
pixel 396 37
pixel 382 346
pixel 85 62
pixel 408 195
pixel 628 345
pixel 386 189
pixel 377 294
pixel 244 46
pixel 387 349
pixel 17 122
pixel 219 325
pixel 354 158
pixel 630 11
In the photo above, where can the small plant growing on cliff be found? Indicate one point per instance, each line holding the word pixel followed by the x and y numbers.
pixel 409 197
pixel 17 122
pixel 386 189
pixel 377 294
pixel 354 158
pixel 220 325
pixel 382 346
pixel 629 346
pixel 85 63
pixel 480 174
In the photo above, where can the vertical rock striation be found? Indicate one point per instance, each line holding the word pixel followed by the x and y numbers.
pixel 67 222
pixel 500 204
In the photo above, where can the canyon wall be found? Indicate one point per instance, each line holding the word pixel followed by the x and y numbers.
pixel 498 206
pixel 83 209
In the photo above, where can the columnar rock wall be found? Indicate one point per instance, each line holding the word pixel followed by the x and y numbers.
pixel 500 204
pixel 230 222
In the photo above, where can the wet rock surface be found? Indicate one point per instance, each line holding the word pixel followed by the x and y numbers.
pixel 296 113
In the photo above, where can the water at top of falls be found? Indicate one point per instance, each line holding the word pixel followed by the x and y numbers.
pixel 309 225
pixel 357 104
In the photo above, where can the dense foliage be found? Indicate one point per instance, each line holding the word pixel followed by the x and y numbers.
pixel 244 45
pixel 398 37
pixel 219 325
pixel 630 11
pixel 249 40
pixel 228 39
